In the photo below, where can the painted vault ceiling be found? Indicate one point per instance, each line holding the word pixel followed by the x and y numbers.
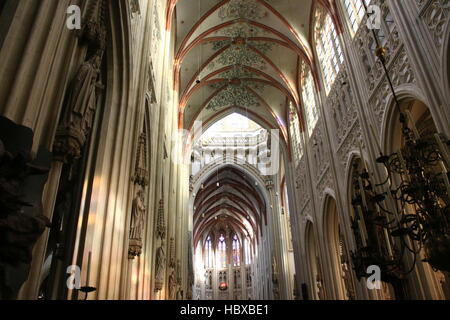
pixel 240 55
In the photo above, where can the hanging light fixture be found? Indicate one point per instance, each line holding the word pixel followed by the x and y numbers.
pixel 409 212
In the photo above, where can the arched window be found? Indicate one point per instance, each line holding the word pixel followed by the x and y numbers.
pixel 236 252
pixel 209 253
pixel 309 98
pixel 355 13
pixel 222 252
pixel 328 47
pixel 248 253
pixel 297 148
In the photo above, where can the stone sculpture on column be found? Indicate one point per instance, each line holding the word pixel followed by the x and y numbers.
pixel 140 179
pixel 81 99
pixel 172 286
pixel 137 225
pixel 160 261
pixel 160 267
pixel 79 115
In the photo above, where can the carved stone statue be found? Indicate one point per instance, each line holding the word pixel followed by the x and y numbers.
pixel 137 224
pixel 172 285
pixel 138 215
pixel 80 110
pixel 82 99
pixel 160 267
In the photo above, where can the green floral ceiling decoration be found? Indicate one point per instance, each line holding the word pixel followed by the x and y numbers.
pixel 248 9
pixel 245 76
pixel 241 50
pixel 238 80
pixel 236 72
pixel 235 92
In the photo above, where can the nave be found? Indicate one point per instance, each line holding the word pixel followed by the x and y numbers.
pixel 224 150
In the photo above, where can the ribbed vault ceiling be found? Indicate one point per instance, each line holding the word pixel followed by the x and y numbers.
pixel 240 53
pixel 230 199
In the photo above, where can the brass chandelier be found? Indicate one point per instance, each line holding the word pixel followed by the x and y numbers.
pixel 409 212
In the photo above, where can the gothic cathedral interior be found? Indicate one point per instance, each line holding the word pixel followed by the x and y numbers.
pixel 225 150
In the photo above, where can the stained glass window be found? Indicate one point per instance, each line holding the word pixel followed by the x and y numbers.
pixel 248 254
pixel 209 253
pixel 222 248
pixel 236 252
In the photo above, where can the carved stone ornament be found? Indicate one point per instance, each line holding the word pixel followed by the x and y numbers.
pixel 93 31
pixel 179 278
pixel 172 259
pixel 19 229
pixel 161 226
pixel 141 173
pixel 160 267
pixel 435 14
